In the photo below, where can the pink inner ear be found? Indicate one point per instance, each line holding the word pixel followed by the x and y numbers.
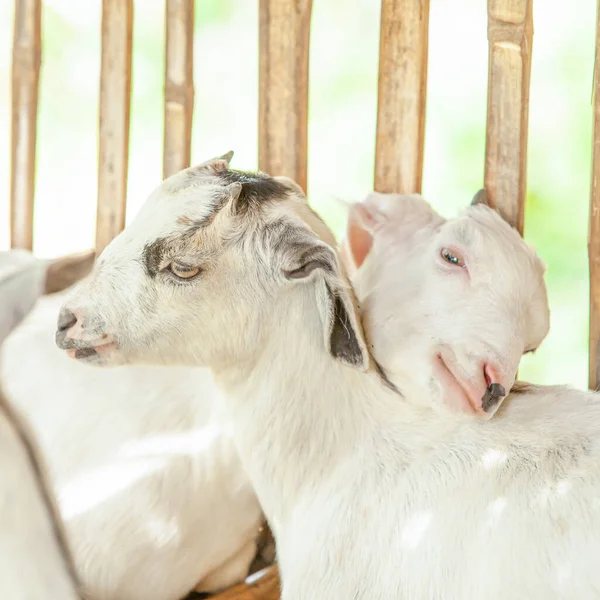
pixel 358 241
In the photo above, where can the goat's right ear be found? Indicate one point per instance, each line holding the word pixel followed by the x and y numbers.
pixel 344 337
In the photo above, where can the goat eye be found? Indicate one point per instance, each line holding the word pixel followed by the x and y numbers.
pixel 183 271
pixel 452 257
pixel 530 351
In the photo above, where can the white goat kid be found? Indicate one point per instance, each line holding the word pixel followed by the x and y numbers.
pixel 369 496
pixel 156 480
pixel 454 319
pixel 36 562
pixel 148 480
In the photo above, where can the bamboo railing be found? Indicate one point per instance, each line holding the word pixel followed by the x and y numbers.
pixel 594 231
pixel 27 48
pixel 179 85
pixel 283 117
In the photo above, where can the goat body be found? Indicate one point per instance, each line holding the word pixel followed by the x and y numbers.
pixel 148 480
pixel 371 497
pixel 370 493
pixel 36 563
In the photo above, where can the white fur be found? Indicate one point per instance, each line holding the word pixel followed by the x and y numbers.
pixel 370 495
pixel 152 491
pixel 417 307
pixel 34 563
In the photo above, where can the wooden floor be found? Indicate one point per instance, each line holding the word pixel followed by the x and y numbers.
pixel 260 586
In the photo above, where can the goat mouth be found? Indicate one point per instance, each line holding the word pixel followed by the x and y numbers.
pixel 450 381
pixel 91 353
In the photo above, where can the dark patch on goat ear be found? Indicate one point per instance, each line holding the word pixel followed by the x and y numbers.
pixel 480 197
pixel 306 269
pixel 311 257
pixel 344 344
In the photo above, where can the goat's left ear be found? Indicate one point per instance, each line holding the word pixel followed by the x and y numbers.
pixel 480 197
pixel 214 165
pixel 358 241
pixel 344 337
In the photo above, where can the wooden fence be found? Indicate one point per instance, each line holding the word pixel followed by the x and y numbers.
pixel 283 114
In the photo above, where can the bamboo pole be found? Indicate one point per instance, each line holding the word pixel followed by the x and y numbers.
pixel 510 35
pixel 179 85
pixel 26 58
pixel 403 50
pixel 264 587
pixel 115 100
pixel 594 226
pixel 283 87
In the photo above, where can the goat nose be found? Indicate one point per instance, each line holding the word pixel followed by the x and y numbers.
pixel 495 390
pixel 66 320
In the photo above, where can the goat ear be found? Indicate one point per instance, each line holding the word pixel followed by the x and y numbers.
pixel 480 197
pixel 343 334
pixel 67 270
pixel 215 165
pixel 359 236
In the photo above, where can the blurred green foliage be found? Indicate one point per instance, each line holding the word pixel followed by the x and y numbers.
pixel 344 52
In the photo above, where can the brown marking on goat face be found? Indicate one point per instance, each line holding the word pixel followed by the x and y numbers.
pixel 153 255
pixel 185 220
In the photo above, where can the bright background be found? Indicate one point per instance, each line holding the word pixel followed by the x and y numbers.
pixel 343 87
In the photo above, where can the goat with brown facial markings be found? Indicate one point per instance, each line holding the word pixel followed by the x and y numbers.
pixel 368 495
pixel 187 516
